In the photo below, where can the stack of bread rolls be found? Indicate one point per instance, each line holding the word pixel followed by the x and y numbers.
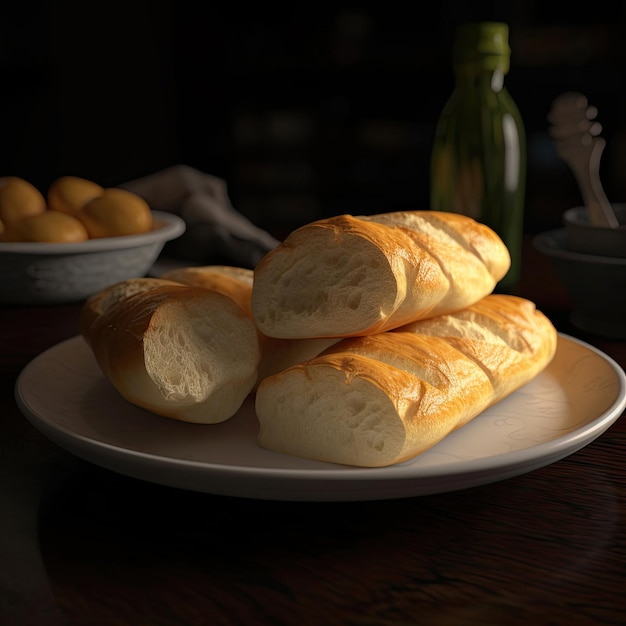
pixel 370 338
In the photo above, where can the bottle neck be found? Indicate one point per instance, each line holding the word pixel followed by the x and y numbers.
pixel 480 75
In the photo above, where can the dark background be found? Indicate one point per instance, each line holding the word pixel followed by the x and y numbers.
pixel 306 111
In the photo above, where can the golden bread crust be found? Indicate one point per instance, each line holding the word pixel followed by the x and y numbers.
pixel 347 276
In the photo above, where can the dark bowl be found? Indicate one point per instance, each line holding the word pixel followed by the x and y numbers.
pixel 596 285
pixel 582 236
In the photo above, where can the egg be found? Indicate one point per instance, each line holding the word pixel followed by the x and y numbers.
pixel 49 227
pixel 19 199
pixel 116 212
pixel 69 194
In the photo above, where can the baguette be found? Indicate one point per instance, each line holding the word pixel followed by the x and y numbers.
pixel 349 276
pixel 382 399
pixel 179 351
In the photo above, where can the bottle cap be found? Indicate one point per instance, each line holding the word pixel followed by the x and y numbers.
pixel 484 42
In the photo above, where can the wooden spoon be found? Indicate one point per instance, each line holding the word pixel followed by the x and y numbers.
pixel 576 136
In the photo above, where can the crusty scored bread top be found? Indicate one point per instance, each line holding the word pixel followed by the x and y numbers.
pixel 505 335
pixel 179 351
pixel 382 399
pixel 349 276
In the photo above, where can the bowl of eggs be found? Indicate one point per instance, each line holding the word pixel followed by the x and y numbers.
pixel 75 240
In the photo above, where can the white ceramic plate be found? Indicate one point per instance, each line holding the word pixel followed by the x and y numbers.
pixel 63 394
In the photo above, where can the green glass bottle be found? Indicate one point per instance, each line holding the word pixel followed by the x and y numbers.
pixel 478 163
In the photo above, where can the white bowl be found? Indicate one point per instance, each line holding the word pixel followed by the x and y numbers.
pixel 55 273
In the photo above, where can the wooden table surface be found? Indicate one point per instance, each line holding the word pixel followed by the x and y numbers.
pixel 81 545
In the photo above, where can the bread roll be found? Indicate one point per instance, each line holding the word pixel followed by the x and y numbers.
pixel 114 213
pixel 46 227
pixel 349 276
pixel 382 399
pixel 236 283
pixel 182 352
pixel 69 194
